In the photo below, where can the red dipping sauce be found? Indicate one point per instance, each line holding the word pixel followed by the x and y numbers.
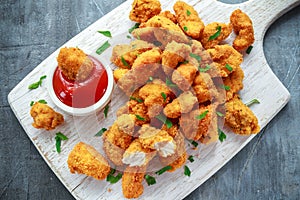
pixel 84 93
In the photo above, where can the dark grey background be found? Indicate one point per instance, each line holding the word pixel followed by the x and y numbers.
pixel 267 168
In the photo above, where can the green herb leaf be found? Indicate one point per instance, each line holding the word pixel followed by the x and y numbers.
pixel 164 120
pixel 249 49
pixel 202 115
pixel 191 158
pixel 214 36
pixel 125 63
pixel 225 87
pixel 134 27
pixel 128 36
pixel 220 114
pixel 100 133
pixel 106 110
pixel 112 171
pixel 31 103
pixel 169 83
pixel 150 179
pixel 228 67
pixel 105 33
pixel 188 13
pixel 113 179
pixel 43 77
pixel 150 79
pixel 197 57
pixel 37 84
pixel 204 69
pixel 58 138
pixel 140 118
pixel 163 170
pixel 164 96
pixel 103 47
pixel 222 135
pixel 42 101
pixel 194 143
pixel 187 171
pixel 253 101
pixel 136 99
pixel 185 28
pixel 61 136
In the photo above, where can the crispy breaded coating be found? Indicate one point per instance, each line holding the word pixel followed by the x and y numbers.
pixel 240 117
pixel 124 55
pixel 225 54
pixel 142 10
pixel 235 82
pixel 45 117
pixel 242 26
pixel 126 123
pixel 184 103
pixel 74 63
pixel 211 29
pixel 188 19
pixel 84 159
pixel 204 88
pixel 132 179
pixel 139 109
pixel 184 75
pixel 119 73
pixel 169 15
pixel 147 58
pixel 137 155
pixel 162 22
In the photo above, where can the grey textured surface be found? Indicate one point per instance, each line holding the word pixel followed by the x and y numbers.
pixel 267 168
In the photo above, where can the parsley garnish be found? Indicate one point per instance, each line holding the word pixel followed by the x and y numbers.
pixel 164 96
pixel 164 120
pixel 193 142
pixel 134 27
pixel 103 47
pixel 128 36
pixel 249 49
pixel 188 13
pixel 185 28
pixel 191 158
pixel 42 101
pixel 204 69
pixel 140 118
pixel 150 79
pixel 220 114
pixel 202 115
pixel 105 33
pixel 58 138
pixel 222 135
pixel 150 179
pixel 225 87
pixel 228 67
pixel 125 63
pixel 31 103
pixel 113 179
pixel 253 101
pixel 169 83
pixel 214 36
pixel 100 133
pixel 37 84
pixel 163 170
pixel 136 99
pixel 106 110
pixel 187 171
pixel 197 57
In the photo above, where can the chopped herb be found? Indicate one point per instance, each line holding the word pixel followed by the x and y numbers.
pixel 125 63
pixel 100 133
pixel 188 13
pixel 191 158
pixel 150 79
pixel 225 87
pixel 204 69
pixel 128 36
pixel 37 84
pixel 42 101
pixel 58 138
pixel 103 47
pixel 197 57
pixel 106 110
pixel 249 49
pixel 169 83
pixel 136 99
pixel 185 28
pixel 150 179
pixel 163 170
pixel 164 96
pixel 105 33
pixel 134 27
pixel 164 120
pixel 140 118
pixel 220 114
pixel 228 67
pixel 193 142
pixel 184 62
pixel 187 171
pixel 202 115
pixel 222 135
pixel 114 179
pixel 214 36
pixel 31 103
pixel 253 101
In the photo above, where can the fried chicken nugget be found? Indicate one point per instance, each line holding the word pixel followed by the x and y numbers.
pixel 184 75
pixel 45 117
pixel 161 22
pixel 119 73
pixel 139 109
pixel 226 59
pixel 184 103
pixel 240 117
pixel 84 159
pixel 142 10
pixel 242 26
pixel 211 29
pixel 235 82
pixel 74 63
pixel 169 15
pixel 188 19
pixel 132 179
pixel 126 123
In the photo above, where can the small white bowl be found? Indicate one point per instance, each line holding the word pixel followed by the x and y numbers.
pixel 87 110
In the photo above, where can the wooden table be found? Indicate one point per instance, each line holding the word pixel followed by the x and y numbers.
pixel 267 168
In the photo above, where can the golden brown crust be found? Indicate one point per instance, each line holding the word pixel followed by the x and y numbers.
pixel 235 82
pixel 132 179
pixel 142 10
pixel 169 15
pixel 162 22
pixel 184 76
pixel 119 73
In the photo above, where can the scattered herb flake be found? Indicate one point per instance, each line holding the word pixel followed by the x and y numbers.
pixel 214 36
pixel 135 26
pixel 197 57
pixel 105 33
pixel 164 96
pixel 188 13
pixel 114 179
pixel 103 47
pixel 249 49
pixel 31 103
pixel 193 142
pixel 150 79
pixel 220 114
pixel 125 63
pixel 150 179
pixel 191 158
pixel 225 87
pixel 222 135
pixel 100 133
pixel 164 120
pixel 163 170
pixel 128 36
pixel 185 28
pixel 202 115
pixel 136 99
pixel 106 110
pixel 228 67
pixel 187 171
pixel 58 138
pixel 169 83
pixel 140 118
pixel 253 101
pixel 204 69
pixel 42 101
pixel 37 84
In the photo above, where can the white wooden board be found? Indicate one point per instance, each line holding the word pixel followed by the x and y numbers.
pixel 260 82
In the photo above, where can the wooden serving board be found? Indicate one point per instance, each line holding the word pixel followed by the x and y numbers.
pixel 259 82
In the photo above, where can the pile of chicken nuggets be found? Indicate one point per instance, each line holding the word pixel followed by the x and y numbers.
pixel 182 85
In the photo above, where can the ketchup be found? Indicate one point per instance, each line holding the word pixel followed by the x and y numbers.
pixel 84 93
